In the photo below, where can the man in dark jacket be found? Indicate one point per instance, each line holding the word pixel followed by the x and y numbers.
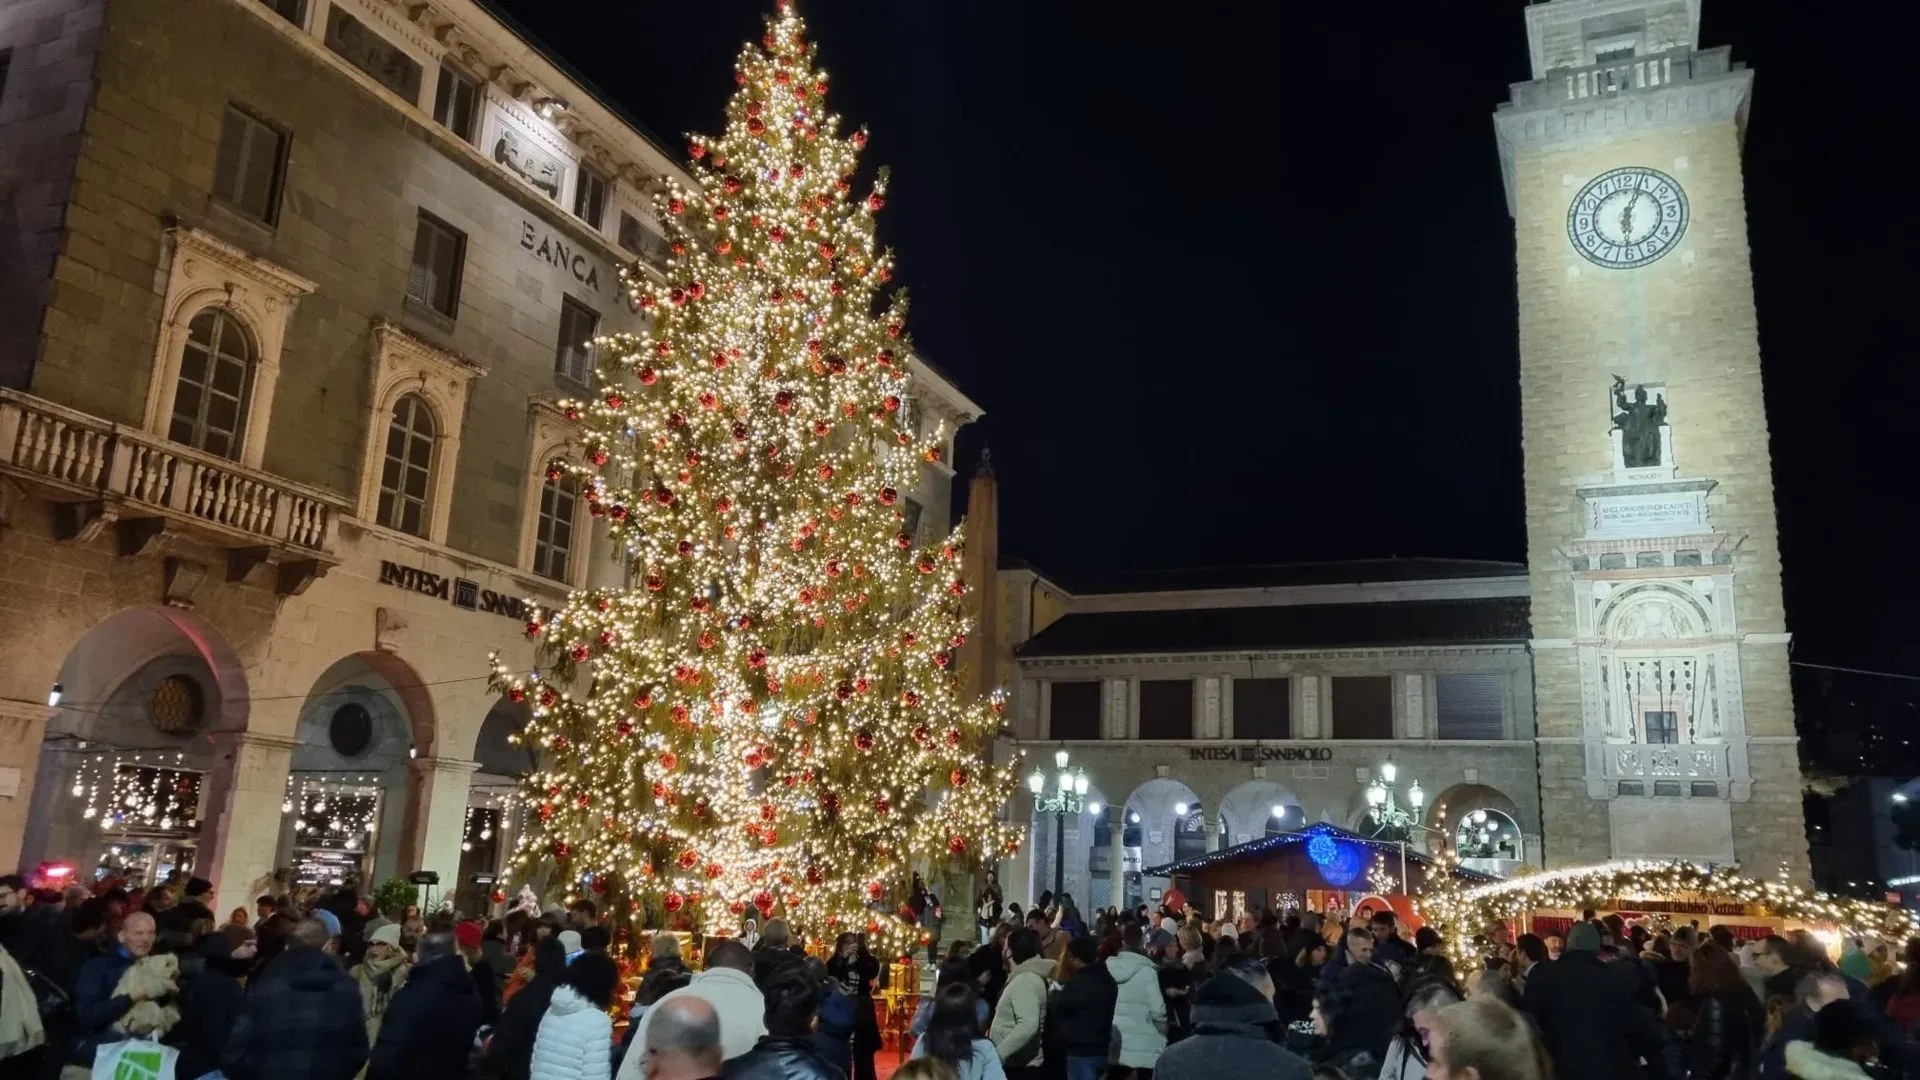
pixel 96 1008
pixel 211 998
pixel 430 1022
pixel 1588 1019
pixel 1232 1032
pixel 1363 1009
pixel 510 1051
pixel 1080 1014
pixel 303 1019
pixel 1815 992
pixel 773 955
pixel 786 1051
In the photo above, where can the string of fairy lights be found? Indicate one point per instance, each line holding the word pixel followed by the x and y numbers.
pixel 772 715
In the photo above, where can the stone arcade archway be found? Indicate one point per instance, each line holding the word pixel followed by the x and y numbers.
pixel 134 776
pixel 494 810
pixel 1172 824
pixel 352 794
pixel 1247 812
pixel 1509 845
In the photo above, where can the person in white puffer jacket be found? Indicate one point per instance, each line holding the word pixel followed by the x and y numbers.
pixel 576 1034
pixel 1140 1012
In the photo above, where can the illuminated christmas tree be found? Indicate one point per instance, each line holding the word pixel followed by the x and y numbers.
pixel 770 716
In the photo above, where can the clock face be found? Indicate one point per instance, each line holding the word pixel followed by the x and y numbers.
pixel 1627 217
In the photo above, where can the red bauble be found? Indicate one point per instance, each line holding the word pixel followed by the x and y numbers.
pixel 875 890
pixel 697 150
pixel 825 472
pixel 737 907
pixel 516 694
pixel 533 629
pixel 669 760
pixel 763 901
pixel 862 739
pixel 675 206
pixel 921 734
pixel 859 138
pixel 941 659
pixel 826 251
pixel 714 870
pixel 903 541
pixel 580 652
pixel 910 699
pixel 498 896
pixel 882 807
pixel 732 184
pixel 957 845
pixel 958 778
pixel 756 126
pixel 844 691
pixel 876 201
pixel 953 736
pixel 561 849
pixel 814 876
pixel 925 565
pixel 673 901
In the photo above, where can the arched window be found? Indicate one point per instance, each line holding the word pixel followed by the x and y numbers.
pixel 216 373
pixel 406 474
pixel 553 531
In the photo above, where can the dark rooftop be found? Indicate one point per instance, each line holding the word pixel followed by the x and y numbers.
pixel 1348 572
pixel 1413 622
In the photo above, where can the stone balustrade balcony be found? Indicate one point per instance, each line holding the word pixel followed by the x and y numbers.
pixel 100 473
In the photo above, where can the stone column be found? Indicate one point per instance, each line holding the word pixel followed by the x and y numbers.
pixel 1213 831
pixel 240 834
pixel 436 819
pixel 23 724
pixel 1117 856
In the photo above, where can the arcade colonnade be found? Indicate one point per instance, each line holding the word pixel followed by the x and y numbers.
pixel 1129 824
pixel 259 740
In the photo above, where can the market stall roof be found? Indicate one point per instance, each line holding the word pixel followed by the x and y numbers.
pixel 1266 845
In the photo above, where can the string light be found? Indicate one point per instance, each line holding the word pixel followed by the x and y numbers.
pixel 771 714
pixel 1462 911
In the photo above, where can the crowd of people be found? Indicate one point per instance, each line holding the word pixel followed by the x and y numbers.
pixel 333 990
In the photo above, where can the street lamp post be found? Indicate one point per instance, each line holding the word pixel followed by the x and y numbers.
pixel 1384 810
pixel 1068 798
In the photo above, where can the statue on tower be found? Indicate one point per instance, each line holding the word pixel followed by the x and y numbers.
pixel 1639 424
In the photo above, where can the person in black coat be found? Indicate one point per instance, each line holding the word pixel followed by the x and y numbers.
pixel 510 1052
pixel 1080 1014
pixel 211 998
pixel 1729 1021
pixel 430 1022
pixel 1588 1020
pixel 1363 1011
pixel 787 1051
pixel 303 1020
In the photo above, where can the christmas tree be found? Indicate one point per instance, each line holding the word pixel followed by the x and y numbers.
pixel 770 715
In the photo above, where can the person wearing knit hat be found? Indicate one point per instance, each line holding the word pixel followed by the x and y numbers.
pixel 329 920
pixel 380 974
pixel 1589 1021
pixel 1583 937
pixel 467 934
pixel 467 937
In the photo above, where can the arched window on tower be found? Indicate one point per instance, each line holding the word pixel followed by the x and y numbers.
pixel 216 374
pixel 407 472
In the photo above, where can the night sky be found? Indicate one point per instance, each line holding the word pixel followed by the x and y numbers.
pixel 1234 283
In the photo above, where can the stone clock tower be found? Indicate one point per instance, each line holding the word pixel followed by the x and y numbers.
pixel 1660 638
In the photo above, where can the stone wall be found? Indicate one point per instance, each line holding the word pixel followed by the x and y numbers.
pixel 50 47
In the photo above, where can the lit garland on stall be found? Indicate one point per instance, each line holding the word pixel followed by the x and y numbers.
pixel 770 715
pixel 1461 912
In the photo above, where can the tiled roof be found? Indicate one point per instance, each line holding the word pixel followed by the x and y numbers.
pixel 1412 622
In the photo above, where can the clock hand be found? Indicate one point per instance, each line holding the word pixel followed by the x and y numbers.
pixel 1626 217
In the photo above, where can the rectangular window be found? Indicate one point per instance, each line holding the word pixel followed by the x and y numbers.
pixel 1166 708
pixel 439 253
pixel 1074 710
pixel 373 54
pixel 456 103
pixel 553 531
pixel 573 355
pixel 1613 55
pixel 1471 706
pixel 252 163
pixel 1263 708
pixel 640 238
pixel 1363 707
pixel 294 11
pixel 590 197
pixel 911 512
pixel 1663 727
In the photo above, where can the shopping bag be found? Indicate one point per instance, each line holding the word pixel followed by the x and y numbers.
pixel 134 1059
